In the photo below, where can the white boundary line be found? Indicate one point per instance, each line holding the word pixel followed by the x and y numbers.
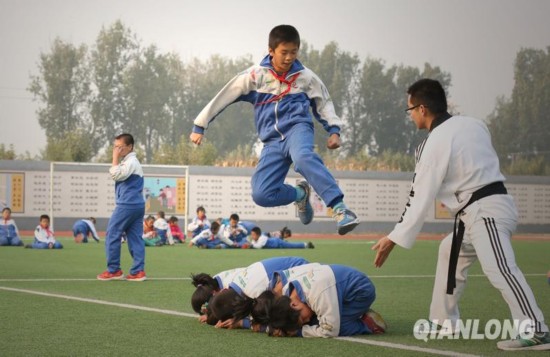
pixel 187 279
pixel 100 302
pixel 177 313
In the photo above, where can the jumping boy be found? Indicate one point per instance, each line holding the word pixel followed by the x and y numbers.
pixel 282 91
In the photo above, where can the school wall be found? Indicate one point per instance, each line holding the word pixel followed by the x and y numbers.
pixel 378 198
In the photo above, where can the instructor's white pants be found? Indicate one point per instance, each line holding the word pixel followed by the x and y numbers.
pixel 489 224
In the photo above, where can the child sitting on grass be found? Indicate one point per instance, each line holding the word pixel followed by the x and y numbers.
pixel 43 236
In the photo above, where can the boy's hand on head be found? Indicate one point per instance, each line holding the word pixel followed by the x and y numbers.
pixel 196 138
pixel 333 142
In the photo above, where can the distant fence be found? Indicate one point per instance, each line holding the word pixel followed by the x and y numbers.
pixel 68 191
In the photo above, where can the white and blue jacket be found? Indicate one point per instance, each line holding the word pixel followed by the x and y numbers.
pixel 279 102
pixel 254 279
pixel 8 229
pixel 128 176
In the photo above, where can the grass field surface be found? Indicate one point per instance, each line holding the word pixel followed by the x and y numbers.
pixel 52 305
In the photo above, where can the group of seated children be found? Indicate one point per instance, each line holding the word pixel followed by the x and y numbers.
pixel 288 296
pixel 237 234
pixel 43 236
pixel 158 232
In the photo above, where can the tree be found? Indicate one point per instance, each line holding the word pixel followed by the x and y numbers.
pixel 63 86
pixel 75 146
pixel 520 125
pixel 7 154
pixel 116 48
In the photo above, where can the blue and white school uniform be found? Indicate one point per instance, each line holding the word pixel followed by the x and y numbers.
pixel 254 279
pixel 43 237
pixel 293 273
pixel 127 216
pixel 282 113
pixel 9 234
pixel 338 295
pixel 198 225
pixel 85 227
pixel 163 231
pixel 209 240
pixel 225 278
pixel 266 242
pixel 236 235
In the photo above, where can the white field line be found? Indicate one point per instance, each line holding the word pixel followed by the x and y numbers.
pixel 177 313
pixel 100 302
pixel 187 279
pixel 405 347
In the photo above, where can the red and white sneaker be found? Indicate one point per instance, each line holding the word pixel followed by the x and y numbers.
pixel 374 322
pixel 139 276
pixel 107 275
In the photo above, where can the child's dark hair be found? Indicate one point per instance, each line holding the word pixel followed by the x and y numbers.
pixel 282 316
pixel 257 308
pixel 283 33
pixel 92 219
pixel 6 209
pixel 256 230
pixel 44 216
pixel 127 138
pixel 173 219
pixel 161 214
pixel 234 217
pixel 201 208
pixel 222 304
pixel 261 311
pixel 285 231
pixel 205 288
pixel 215 226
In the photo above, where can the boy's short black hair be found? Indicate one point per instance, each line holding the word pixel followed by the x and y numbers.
pixel 161 214
pixel 283 33
pixel 201 208
pixel 430 93
pixel 257 230
pixel 6 209
pixel 127 138
pixel 44 216
pixel 222 304
pixel 234 217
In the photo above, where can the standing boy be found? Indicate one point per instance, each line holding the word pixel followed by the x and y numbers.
pixel 127 217
pixel 282 91
pixel 457 164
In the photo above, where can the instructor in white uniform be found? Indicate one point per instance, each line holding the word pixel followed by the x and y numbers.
pixel 457 164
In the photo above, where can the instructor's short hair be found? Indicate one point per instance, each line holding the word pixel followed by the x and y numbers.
pixel 430 93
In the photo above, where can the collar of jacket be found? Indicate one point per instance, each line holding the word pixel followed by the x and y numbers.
pixel 439 120
pixel 297 66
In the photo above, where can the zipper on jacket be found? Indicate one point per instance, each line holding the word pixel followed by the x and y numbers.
pixel 277 120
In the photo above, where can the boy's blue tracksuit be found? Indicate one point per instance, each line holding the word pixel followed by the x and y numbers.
pixel 285 126
pixel 127 216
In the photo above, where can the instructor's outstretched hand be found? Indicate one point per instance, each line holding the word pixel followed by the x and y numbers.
pixel 196 138
pixel 383 247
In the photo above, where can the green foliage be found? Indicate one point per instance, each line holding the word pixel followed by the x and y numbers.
pixel 535 166
pixel 74 147
pixel 120 85
pixel 186 153
pixel 7 154
pixel 520 125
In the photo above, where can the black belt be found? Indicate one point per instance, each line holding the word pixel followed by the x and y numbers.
pixel 495 188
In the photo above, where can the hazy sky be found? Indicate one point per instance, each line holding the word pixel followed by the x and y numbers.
pixel 475 40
